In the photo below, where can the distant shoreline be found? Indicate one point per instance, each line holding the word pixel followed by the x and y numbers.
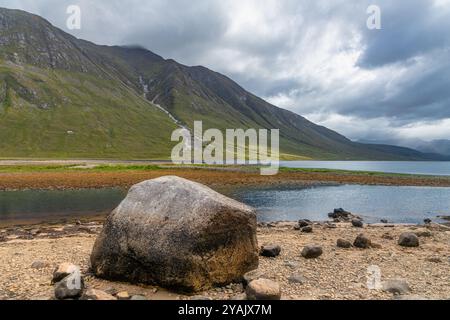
pixel 73 174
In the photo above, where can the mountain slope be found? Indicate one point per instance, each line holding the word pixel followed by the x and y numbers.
pixel 65 97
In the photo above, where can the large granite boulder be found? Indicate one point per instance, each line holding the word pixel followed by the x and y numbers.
pixel 177 234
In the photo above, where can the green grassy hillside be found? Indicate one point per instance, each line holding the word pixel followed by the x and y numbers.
pixel 68 98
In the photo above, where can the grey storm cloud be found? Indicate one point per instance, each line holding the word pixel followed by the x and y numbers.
pixel 314 57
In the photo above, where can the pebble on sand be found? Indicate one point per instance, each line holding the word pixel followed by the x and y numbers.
pixel 263 289
pixel 312 252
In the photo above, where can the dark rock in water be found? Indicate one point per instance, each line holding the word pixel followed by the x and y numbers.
pixel 177 234
pixel 396 286
pixel 362 242
pixel 71 287
pixel 384 221
pixel 409 240
pixel 357 223
pixel 427 221
pixel 312 252
pixel 307 229
pixel 304 223
pixel 341 243
pixel 270 251
pixel 263 289
pixel 340 215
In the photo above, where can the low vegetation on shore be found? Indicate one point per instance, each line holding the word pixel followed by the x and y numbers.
pixel 89 175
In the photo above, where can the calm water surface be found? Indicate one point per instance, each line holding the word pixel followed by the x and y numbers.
pixel 52 205
pixel 407 167
pixel 397 204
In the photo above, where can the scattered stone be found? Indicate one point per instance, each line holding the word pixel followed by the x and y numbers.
pixel 357 223
pixel 64 270
pixel 270 251
pixel 252 275
pixel 123 295
pixel 396 286
pixel 424 234
pixel 71 287
pixel 409 240
pixel 138 298
pixel 312 252
pixel 384 221
pixel 181 226
pixel 39 265
pixel 330 225
pixel 263 289
pixel 362 242
pixel 296 278
pixel 307 229
pixel 94 294
pixel 304 223
pixel 292 264
pixel 427 221
pixel 434 260
pixel 376 245
pixel 341 243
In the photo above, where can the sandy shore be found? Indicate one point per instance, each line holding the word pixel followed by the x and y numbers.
pixel 337 274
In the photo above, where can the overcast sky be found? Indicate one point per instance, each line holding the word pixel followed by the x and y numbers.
pixel 314 57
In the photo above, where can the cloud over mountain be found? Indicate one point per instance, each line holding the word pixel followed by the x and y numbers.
pixel 316 58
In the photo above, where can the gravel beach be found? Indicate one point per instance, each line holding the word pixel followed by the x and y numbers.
pixel 30 255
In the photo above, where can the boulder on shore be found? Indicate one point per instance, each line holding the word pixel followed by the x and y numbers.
pixel 71 287
pixel 342 243
pixel 312 252
pixel 409 240
pixel 177 234
pixel 362 242
pixel 270 251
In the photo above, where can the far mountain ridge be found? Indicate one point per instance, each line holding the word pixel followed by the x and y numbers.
pixel 65 97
